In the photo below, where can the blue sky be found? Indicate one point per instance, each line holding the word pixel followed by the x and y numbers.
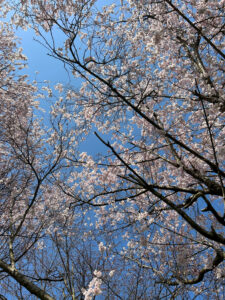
pixel 52 70
pixel 38 60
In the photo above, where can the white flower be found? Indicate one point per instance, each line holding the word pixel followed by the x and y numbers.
pixel 111 273
pixel 101 247
pixel 59 87
pixel 97 273
pixel 94 287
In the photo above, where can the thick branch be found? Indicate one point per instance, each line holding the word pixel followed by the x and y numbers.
pixel 220 256
pixel 22 279
pixel 212 235
pixel 196 28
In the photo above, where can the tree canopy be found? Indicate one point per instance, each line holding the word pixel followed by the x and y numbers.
pixel 143 219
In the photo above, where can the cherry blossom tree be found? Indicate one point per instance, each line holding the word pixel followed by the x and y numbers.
pixel 33 153
pixel 153 90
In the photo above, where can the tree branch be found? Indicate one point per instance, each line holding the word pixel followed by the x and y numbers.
pixel 22 279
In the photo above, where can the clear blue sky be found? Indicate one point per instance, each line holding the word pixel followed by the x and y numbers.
pixel 48 67
pixel 53 70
